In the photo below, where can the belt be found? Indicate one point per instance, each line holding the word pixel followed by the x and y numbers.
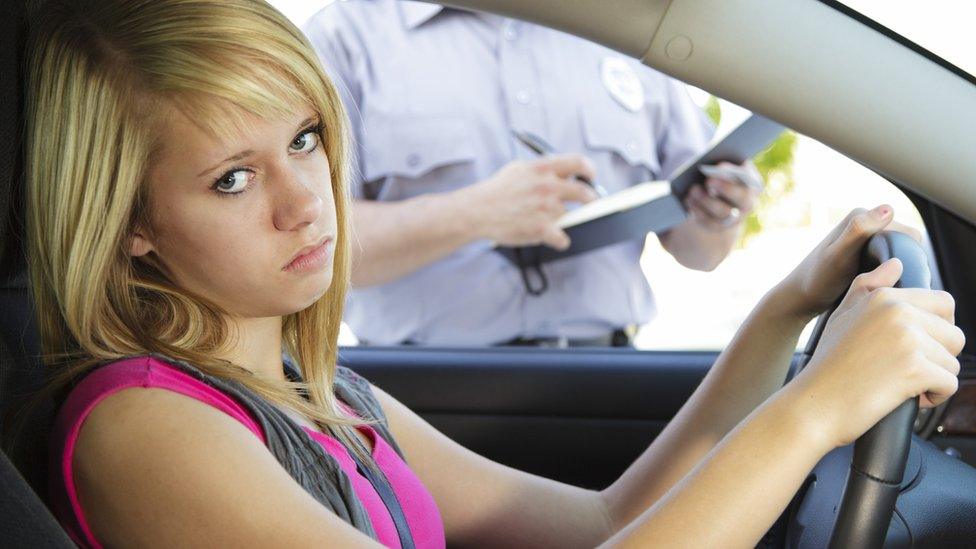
pixel 617 338
pixel 621 337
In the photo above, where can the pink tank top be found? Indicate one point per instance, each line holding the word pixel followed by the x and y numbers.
pixel 419 508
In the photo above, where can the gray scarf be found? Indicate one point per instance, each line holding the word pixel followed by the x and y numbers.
pixel 304 459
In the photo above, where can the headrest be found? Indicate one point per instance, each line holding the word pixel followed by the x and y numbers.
pixel 20 371
pixel 12 38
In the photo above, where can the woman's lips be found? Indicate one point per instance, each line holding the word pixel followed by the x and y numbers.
pixel 313 260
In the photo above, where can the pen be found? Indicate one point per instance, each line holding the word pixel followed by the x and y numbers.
pixel 540 147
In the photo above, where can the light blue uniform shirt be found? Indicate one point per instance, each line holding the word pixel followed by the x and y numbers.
pixel 433 94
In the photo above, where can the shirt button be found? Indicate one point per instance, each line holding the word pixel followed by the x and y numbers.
pixel 413 160
pixel 523 97
pixel 632 145
pixel 510 33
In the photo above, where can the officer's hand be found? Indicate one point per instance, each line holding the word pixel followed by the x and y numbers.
pixel 720 204
pixel 521 203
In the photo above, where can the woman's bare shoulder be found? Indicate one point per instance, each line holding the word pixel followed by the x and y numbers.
pixel 155 467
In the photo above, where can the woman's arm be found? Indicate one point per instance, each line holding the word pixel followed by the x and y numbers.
pixel 541 512
pixel 732 497
pixel 741 485
pixel 154 468
pixel 759 465
pixel 487 504
pixel 750 369
pixel 881 347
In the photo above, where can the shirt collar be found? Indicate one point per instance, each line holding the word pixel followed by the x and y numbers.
pixel 415 14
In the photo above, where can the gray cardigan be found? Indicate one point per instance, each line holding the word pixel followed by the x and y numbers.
pixel 304 459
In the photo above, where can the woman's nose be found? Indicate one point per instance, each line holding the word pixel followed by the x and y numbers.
pixel 295 203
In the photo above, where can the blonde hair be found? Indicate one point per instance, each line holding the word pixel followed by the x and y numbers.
pixel 100 74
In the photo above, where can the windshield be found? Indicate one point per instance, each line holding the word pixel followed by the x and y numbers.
pixel 944 27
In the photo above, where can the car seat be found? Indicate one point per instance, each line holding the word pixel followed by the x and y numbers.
pixel 24 519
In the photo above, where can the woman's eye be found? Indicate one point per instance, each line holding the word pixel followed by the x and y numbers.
pixel 306 141
pixel 233 182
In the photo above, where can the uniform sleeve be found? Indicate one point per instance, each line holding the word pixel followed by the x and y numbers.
pixel 335 48
pixel 687 129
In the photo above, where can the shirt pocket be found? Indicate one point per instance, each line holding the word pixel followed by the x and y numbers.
pixel 627 138
pixel 408 155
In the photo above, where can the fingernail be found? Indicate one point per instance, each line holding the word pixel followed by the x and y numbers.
pixel 882 211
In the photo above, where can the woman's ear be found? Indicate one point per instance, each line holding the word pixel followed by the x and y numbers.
pixel 140 244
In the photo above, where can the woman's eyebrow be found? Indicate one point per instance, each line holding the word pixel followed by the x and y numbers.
pixel 233 158
pixel 244 154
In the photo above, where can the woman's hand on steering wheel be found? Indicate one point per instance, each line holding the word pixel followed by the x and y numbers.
pixel 823 276
pixel 881 347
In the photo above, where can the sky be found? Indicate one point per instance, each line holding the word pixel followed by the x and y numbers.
pixel 944 27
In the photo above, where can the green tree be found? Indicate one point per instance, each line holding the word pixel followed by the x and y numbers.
pixel 775 164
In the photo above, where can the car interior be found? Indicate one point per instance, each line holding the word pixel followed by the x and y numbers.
pixel 581 416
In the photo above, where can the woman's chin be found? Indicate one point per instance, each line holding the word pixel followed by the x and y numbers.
pixel 281 299
pixel 308 296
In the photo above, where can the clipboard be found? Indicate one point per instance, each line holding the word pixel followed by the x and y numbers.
pixel 653 206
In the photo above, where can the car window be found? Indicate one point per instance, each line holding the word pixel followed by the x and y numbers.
pixel 809 189
pixel 806 197
pixel 809 192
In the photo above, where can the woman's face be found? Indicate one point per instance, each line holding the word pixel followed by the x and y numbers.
pixel 246 220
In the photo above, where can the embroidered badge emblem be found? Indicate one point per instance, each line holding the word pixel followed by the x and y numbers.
pixel 622 82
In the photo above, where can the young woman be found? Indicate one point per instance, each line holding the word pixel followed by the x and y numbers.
pixel 188 224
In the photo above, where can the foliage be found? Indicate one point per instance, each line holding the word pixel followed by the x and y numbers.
pixel 775 164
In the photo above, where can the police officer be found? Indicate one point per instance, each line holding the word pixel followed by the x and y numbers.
pixel 434 95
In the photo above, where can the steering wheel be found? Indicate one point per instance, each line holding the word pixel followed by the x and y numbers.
pixel 880 455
